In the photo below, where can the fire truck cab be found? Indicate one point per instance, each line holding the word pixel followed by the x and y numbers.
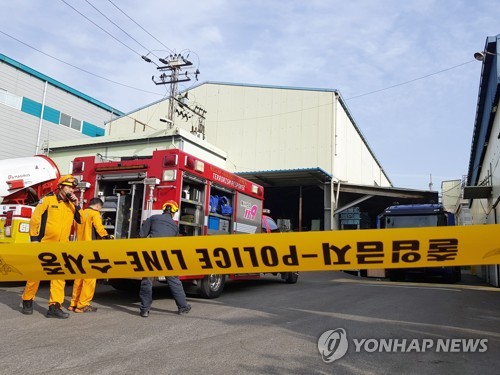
pixel 212 201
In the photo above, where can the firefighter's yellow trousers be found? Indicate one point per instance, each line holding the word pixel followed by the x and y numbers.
pixel 83 292
pixel 56 291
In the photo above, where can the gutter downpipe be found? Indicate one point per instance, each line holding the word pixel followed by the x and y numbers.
pixel 300 208
pixel 40 123
pixel 332 203
pixel 497 267
pixel 333 200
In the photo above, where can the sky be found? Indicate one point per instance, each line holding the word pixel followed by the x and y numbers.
pixel 405 69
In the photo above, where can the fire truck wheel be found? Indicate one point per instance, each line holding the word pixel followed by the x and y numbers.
pixel 290 277
pixel 211 286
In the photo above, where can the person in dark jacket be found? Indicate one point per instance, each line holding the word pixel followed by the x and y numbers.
pixel 162 225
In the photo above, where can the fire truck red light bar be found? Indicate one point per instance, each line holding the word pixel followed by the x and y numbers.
pixel 121 168
pixel 169 160
pixel 78 166
pixel 189 162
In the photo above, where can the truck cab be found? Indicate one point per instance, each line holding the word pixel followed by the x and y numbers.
pixel 413 216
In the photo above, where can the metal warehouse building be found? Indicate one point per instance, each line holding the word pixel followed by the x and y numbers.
pixel 36 110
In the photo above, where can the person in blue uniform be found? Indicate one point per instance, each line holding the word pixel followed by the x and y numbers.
pixel 162 225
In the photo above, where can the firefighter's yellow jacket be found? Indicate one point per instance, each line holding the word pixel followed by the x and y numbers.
pixel 91 227
pixel 53 219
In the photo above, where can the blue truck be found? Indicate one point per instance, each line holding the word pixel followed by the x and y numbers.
pixel 419 215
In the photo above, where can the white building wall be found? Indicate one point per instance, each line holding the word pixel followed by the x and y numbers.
pixel 15 81
pixel 451 192
pixel 13 123
pixel 359 165
pixel 348 164
pixel 268 128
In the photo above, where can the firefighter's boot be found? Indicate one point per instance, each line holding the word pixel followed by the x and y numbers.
pixel 55 311
pixel 27 307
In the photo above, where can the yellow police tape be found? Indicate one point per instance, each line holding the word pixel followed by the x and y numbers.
pixel 253 253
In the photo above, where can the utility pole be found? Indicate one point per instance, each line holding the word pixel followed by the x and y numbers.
pixel 176 68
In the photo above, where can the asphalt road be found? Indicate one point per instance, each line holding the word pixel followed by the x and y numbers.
pixel 260 327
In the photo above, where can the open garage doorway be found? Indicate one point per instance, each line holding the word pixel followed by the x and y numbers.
pixel 296 208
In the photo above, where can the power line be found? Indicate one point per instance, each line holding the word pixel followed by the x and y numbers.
pixel 353 97
pixel 130 18
pixel 111 35
pixel 130 36
pixel 76 67
pixel 95 8
pixel 410 81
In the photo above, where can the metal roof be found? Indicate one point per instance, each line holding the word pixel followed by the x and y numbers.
pixel 317 176
pixel 288 177
pixel 394 192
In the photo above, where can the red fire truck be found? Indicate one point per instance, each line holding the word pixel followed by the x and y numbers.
pixel 134 188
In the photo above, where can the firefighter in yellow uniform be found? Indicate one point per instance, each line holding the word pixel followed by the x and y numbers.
pixel 91 228
pixel 52 221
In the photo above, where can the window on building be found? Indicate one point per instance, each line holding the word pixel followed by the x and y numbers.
pixel 70 122
pixel 65 120
pixel 76 124
pixel 10 100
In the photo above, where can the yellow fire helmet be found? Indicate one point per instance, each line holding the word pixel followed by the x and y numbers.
pixel 174 207
pixel 68 180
